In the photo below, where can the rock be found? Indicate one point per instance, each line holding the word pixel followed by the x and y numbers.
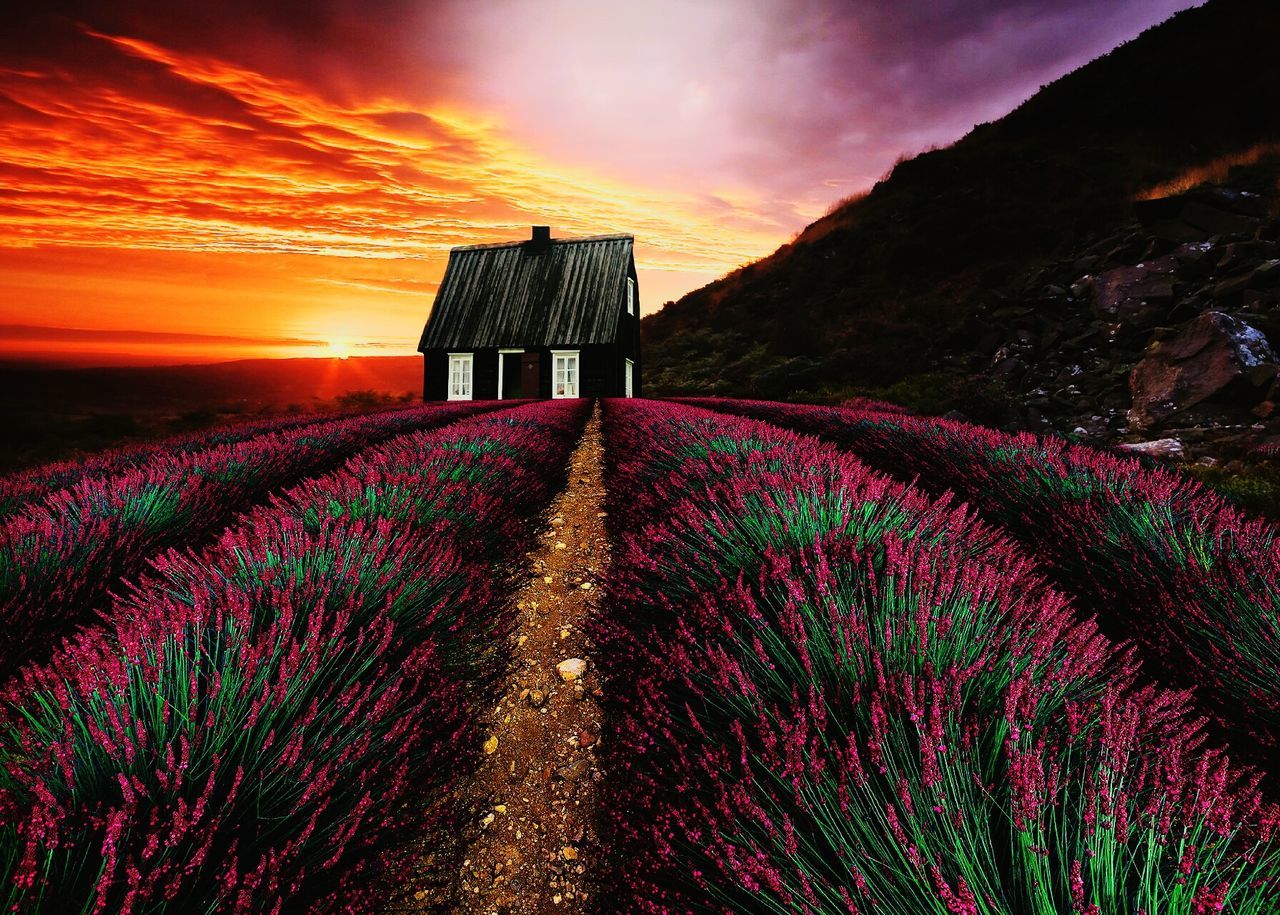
pixel 1009 366
pixel 491 745
pixel 573 771
pixel 1135 295
pixel 537 697
pixel 1200 213
pixel 1161 447
pixel 572 669
pixel 569 853
pixel 1206 356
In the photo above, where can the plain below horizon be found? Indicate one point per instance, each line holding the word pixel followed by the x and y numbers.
pixel 39 346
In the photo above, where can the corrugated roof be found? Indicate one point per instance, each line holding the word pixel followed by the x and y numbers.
pixel 570 292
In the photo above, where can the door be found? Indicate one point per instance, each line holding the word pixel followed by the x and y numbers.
pixel 510 374
pixel 530 363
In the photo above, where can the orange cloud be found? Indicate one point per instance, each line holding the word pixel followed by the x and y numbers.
pixel 220 200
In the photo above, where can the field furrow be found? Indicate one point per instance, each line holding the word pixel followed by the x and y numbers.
pixel 1155 555
pixel 825 691
pixel 280 720
pixel 61 559
pixel 20 489
pixel 534 792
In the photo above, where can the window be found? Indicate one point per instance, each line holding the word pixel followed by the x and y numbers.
pixel 631 296
pixel 564 373
pixel 631 378
pixel 460 376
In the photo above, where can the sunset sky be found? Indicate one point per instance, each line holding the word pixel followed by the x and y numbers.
pixel 286 179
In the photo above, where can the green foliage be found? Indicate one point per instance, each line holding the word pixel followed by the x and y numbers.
pixel 364 400
pixel 1254 487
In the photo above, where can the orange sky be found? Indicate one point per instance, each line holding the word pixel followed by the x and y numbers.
pixel 266 211
pixel 246 179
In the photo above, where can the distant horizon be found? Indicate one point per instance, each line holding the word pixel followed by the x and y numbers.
pixel 78 347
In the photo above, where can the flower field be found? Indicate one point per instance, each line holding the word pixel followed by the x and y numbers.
pixel 60 557
pixel 254 724
pixel 1155 555
pixel 830 692
pixel 20 489
pixel 848 659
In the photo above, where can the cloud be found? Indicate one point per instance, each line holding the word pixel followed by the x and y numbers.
pixel 332 136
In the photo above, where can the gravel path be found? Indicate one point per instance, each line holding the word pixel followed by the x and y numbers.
pixel 536 787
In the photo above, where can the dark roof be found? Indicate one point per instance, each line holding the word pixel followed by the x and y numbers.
pixel 568 292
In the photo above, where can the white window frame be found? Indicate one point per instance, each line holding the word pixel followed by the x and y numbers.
pixel 572 384
pixel 629 379
pixel 501 353
pixel 631 296
pixel 465 387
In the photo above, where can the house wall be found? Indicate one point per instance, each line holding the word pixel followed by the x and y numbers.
pixel 600 369
pixel 628 343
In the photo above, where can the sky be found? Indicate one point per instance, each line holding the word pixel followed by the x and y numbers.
pixel 247 179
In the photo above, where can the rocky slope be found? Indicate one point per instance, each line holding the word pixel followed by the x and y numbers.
pixel 903 289
pixel 1166 329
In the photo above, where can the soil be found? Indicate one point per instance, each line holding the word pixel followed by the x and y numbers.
pixel 535 790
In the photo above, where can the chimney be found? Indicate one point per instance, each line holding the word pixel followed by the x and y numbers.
pixel 541 237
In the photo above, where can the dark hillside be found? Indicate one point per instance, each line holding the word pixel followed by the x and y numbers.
pixel 872 293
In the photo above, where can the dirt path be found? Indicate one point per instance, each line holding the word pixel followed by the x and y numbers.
pixel 536 786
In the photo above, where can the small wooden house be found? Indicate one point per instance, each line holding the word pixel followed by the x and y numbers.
pixel 542 318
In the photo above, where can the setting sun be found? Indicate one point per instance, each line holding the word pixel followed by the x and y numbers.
pixel 338 349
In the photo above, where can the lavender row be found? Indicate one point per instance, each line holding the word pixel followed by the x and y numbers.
pixel 19 489
pixel 1159 557
pixel 275 723
pixel 827 692
pixel 60 559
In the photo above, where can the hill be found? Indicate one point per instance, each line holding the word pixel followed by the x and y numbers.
pixel 874 295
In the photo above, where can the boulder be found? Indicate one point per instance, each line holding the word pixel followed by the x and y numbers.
pixel 1209 354
pixel 1168 448
pixel 1136 295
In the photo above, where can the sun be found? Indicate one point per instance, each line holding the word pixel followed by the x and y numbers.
pixel 338 349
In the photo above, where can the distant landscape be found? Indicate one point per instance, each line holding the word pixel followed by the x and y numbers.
pixel 53 413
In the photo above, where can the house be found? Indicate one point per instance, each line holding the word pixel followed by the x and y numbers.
pixel 542 318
